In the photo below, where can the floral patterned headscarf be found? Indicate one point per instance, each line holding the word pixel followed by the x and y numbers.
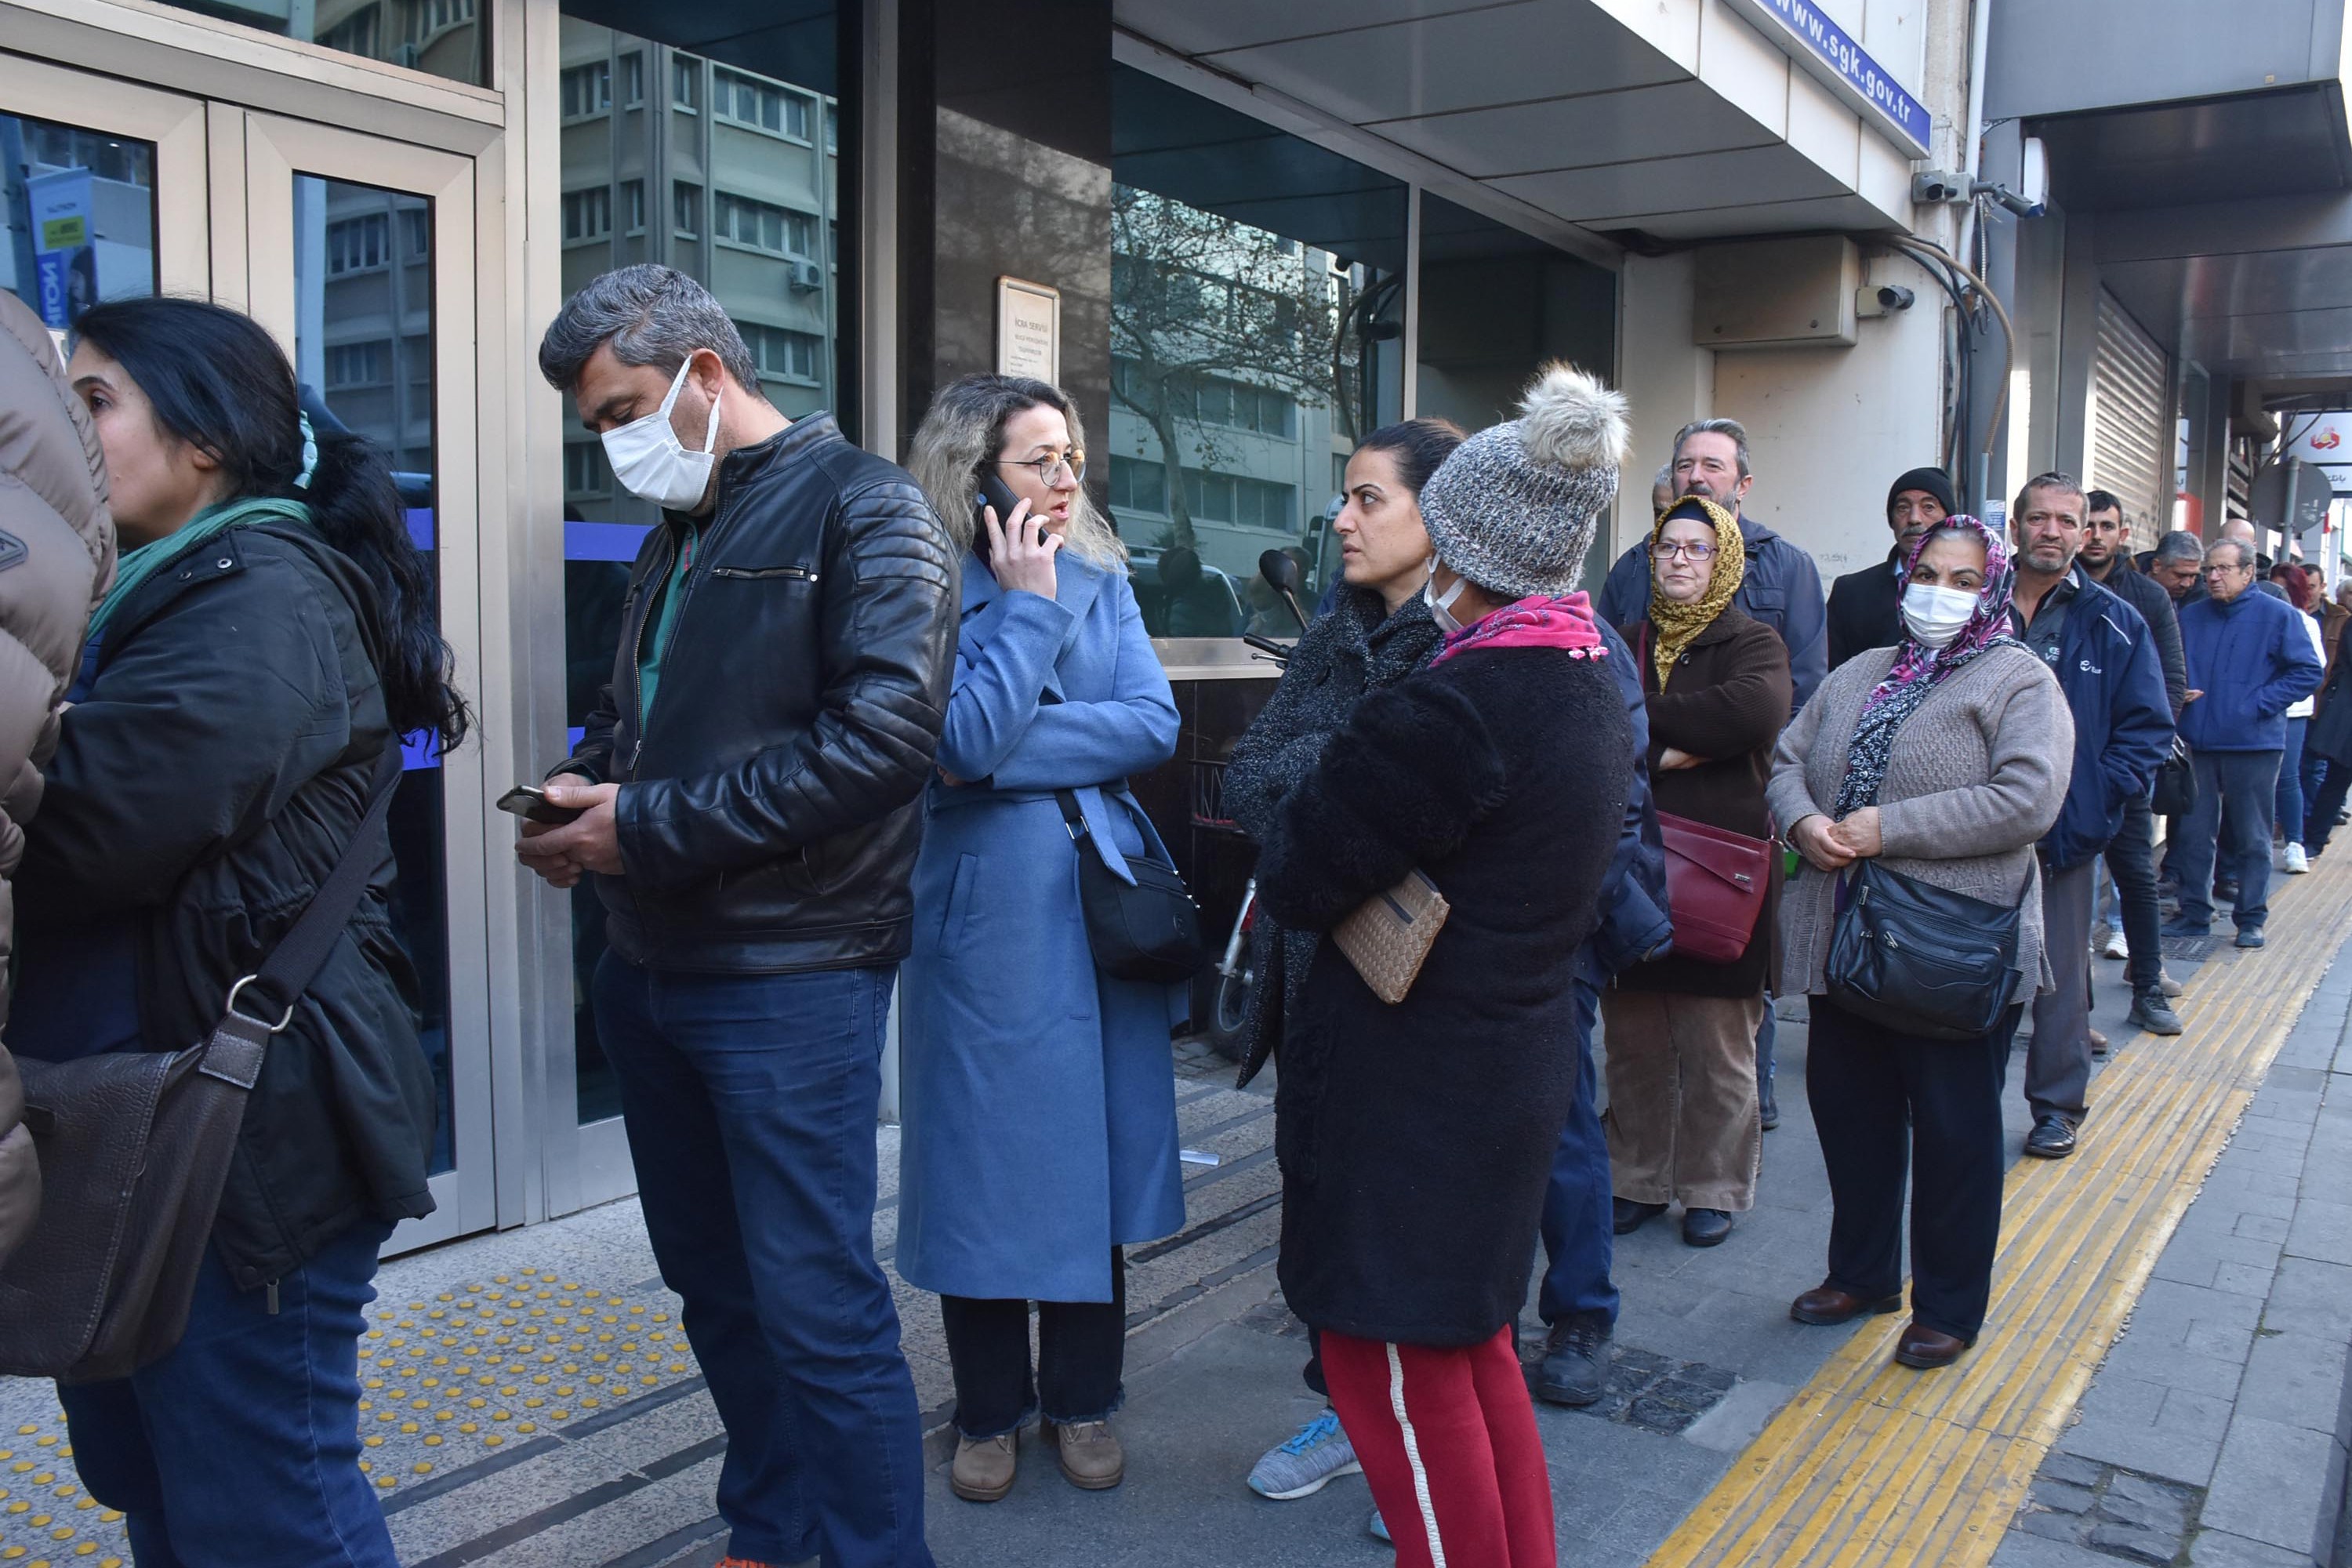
pixel 1918 668
pixel 1676 625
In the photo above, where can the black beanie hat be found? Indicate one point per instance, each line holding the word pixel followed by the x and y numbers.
pixel 1932 480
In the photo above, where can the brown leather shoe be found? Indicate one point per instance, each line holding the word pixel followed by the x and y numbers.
pixel 1091 1457
pixel 1826 1306
pixel 1927 1348
pixel 985 1467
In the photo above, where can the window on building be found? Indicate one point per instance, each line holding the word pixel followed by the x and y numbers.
pixel 632 205
pixel 440 16
pixel 783 354
pixel 585 472
pixel 587 215
pixel 357 365
pixel 685 208
pixel 752 100
pixel 632 79
pixel 763 226
pixel 685 82
pixel 833 127
pixel 358 244
pixel 439 37
pixel 419 226
pixel 1244 502
pixel 1139 485
pixel 587 89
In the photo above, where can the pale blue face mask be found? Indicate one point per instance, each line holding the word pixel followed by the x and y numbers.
pixel 1441 605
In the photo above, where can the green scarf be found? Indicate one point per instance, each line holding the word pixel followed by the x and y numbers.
pixel 134 567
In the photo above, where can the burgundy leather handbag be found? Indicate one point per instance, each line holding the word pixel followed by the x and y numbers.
pixel 1715 883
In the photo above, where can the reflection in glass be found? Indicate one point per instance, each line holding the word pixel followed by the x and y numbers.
pixel 79 213
pixel 728 172
pixel 1254 289
pixel 440 37
pixel 363 355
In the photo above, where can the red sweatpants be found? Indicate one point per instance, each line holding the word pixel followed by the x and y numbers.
pixel 1448 1442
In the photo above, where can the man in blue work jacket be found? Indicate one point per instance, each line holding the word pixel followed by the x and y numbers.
pixel 2107 662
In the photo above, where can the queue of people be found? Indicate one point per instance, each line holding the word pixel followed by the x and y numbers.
pixel 870 730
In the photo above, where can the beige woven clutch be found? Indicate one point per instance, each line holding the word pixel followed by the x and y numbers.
pixel 1389 936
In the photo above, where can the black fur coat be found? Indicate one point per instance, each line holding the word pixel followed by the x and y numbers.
pixel 1416 1140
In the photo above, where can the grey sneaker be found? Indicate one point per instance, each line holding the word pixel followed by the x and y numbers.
pixel 1317 1454
pixel 1378 1528
pixel 2151 1011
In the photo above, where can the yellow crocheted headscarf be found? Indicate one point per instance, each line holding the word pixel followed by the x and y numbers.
pixel 1676 623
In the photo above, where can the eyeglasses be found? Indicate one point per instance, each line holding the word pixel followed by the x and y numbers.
pixel 1051 469
pixel 1667 549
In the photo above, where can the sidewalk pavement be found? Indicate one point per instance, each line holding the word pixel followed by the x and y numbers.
pixel 534 1406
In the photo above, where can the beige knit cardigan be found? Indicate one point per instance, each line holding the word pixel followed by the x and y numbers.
pixel 1976 777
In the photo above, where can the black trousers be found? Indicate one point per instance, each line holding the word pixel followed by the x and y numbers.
pixel 1887 1103
pixel 2319 821
pixel 1081 1352
pixel 2131 861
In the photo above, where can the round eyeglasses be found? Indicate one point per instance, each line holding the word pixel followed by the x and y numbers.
pixel 1667 549
pixel 1051 469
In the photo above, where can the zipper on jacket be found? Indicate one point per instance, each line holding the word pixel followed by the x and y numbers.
pixel 798 574
pixel 269 1297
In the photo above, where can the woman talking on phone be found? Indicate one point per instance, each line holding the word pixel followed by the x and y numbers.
pixel 1039 1108
pixel 269 637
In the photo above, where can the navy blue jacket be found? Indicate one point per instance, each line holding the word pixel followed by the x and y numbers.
pixel 1781 587
pixel 1633 921
pixel 2253 660
pixel 2108 667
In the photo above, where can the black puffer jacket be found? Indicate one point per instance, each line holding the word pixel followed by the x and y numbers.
pixel 770 812
pixel 1357 648
pixel 202 789
pixel 1416 1140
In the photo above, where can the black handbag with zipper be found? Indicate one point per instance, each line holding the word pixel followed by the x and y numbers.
pixel 2175 790
pixel 1149 931
pixel 1919 958
pixel 135 1148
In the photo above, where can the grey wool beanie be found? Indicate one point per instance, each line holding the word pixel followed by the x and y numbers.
pixel 1512 509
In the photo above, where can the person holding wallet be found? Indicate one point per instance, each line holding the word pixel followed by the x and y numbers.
pixel 1684 1119
pixel 1036 1093
pixel 1416 1136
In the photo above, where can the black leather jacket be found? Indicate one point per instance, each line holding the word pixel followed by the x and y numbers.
pixel 770 810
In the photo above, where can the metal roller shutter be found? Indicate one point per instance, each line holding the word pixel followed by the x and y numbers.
pixel 2131 422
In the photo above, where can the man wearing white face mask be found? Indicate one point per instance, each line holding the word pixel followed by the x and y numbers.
pixel 2105 659
pixel 748 790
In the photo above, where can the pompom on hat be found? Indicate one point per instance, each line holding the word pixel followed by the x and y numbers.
pixel 1512 509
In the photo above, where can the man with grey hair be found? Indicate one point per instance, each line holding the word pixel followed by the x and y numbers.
pixel 2249 659
pixel 747 798
pixel 2177 565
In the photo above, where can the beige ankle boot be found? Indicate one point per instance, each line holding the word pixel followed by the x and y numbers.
pixel 1091 1455
pixel 985 1467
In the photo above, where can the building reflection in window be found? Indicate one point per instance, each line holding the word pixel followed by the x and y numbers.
pixel 719 158
pixel 1255 308
pixel 440 37
pixel 77 218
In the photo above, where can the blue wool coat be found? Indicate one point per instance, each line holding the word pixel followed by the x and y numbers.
pixel 1037 1095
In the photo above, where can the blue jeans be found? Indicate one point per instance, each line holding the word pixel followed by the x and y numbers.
pixel 2289 781
pixel 2232 818
pixel 750 1102
pixel 1577 1232
pixel 240 1449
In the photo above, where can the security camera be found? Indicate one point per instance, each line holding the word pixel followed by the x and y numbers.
pixel 2007 198
pixel 1940 185
pixel 1894 297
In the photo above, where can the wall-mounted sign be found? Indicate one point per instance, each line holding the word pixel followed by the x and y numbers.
pixel 1822 48
pixel 1029 330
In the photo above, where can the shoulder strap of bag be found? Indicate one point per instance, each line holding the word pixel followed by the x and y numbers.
pixel 303 950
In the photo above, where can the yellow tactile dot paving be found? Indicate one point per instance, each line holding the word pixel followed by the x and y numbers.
pixel 1873 1465
pixel 443 1381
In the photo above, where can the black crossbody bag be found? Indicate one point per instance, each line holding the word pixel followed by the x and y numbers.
pixel 1919 958
pixel 135 1148
pixel 1148 931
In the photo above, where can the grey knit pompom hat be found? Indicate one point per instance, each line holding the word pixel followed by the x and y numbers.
pixel 1512 509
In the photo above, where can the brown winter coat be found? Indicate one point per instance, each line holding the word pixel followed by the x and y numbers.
pixel 1727 700
pixel 57 552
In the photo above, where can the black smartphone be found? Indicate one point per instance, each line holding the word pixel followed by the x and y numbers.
pixel 530 802
pixel 992 493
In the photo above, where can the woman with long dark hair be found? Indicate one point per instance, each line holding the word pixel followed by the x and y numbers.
pixel 269 635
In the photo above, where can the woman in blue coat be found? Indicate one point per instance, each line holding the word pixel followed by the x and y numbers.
pixel 1037 1093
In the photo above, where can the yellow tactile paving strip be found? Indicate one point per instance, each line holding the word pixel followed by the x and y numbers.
pixel 1874 1464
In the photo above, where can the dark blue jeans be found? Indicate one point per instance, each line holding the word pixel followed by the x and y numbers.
pixel 240 1449
pixel 749 1101
pixel 2235 793
pixel 1577 1233
pixel 2291 800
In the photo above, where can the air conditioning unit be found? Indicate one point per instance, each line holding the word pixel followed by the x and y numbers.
pixel 808 276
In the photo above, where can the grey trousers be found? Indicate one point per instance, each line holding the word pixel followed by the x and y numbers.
pixel 2058 1059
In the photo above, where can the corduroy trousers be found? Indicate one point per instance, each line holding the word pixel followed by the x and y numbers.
pixel 1683 1120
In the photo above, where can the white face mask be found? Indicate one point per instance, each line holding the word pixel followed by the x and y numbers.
pixel 1441 605
pixel 651 462
pixel 1935 616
